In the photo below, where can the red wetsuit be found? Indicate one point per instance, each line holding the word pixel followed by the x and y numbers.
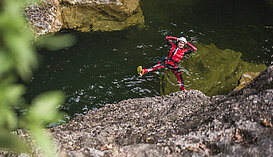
pixel 176 53
pixel 175 56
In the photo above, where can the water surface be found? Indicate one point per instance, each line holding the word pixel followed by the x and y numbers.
pixel 101 67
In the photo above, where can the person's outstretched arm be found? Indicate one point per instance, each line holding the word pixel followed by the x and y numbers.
pixel 193 48
pixel 169 40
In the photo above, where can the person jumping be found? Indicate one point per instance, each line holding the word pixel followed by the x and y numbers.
pixel 176 53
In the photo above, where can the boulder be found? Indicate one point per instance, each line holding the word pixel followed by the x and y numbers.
pixel 246 78
pixel 101 15
pixel 45 18
pixel 84 15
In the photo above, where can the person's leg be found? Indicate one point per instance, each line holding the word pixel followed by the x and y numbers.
pixel 179 77
pixel 158 65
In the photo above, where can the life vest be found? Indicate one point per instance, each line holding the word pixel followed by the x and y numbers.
pixel 176 54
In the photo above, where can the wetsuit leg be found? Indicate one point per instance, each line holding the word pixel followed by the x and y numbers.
pixel 158 65
pixel 179 77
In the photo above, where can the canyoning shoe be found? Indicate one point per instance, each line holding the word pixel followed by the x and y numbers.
pixel 140 71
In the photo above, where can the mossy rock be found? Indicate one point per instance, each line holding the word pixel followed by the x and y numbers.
pixel 210 70
pixel 86 17
pixel 246 78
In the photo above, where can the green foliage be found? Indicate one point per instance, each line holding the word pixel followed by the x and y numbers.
pixel 43 111
pixel 41 107
pixel 12 141
pixel 18 60
pixel 54 43
pixel 16 38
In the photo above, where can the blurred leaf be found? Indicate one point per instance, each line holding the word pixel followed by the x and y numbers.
pixel 31 2
pixel 6 63
pixel 6 81
pixel 11 141
pixel 56 42
pixel 18 59
pixel 14 93
pixel 10 96
pixel 23 53
pixel 17 41
pixel 43 140
pixel 12 7
pixel 7 118
pixel 44 106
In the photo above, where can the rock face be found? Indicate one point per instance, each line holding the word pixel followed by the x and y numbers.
pixel 185 123
pixel 84 15
pixel 45 18
pixel 103 15
pixel 246 78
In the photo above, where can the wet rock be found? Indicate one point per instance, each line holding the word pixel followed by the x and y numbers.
pixel 84 15
pixel 246 78
pixel 101 15
pixel 45 18
pixel 185 123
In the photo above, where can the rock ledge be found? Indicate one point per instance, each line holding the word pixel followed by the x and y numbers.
pixel 185 123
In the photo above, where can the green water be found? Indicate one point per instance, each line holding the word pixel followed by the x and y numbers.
pixel 101 67
pixel 211 70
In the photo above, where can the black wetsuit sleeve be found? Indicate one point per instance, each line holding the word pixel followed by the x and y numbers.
pixel 193 48
pixel 169 42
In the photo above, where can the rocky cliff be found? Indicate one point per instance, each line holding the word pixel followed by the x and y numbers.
pixel 185 123
pixel 84 15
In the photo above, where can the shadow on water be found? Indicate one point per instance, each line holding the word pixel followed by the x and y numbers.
pixel 101 67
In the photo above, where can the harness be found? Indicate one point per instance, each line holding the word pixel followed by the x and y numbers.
pixel 167 63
